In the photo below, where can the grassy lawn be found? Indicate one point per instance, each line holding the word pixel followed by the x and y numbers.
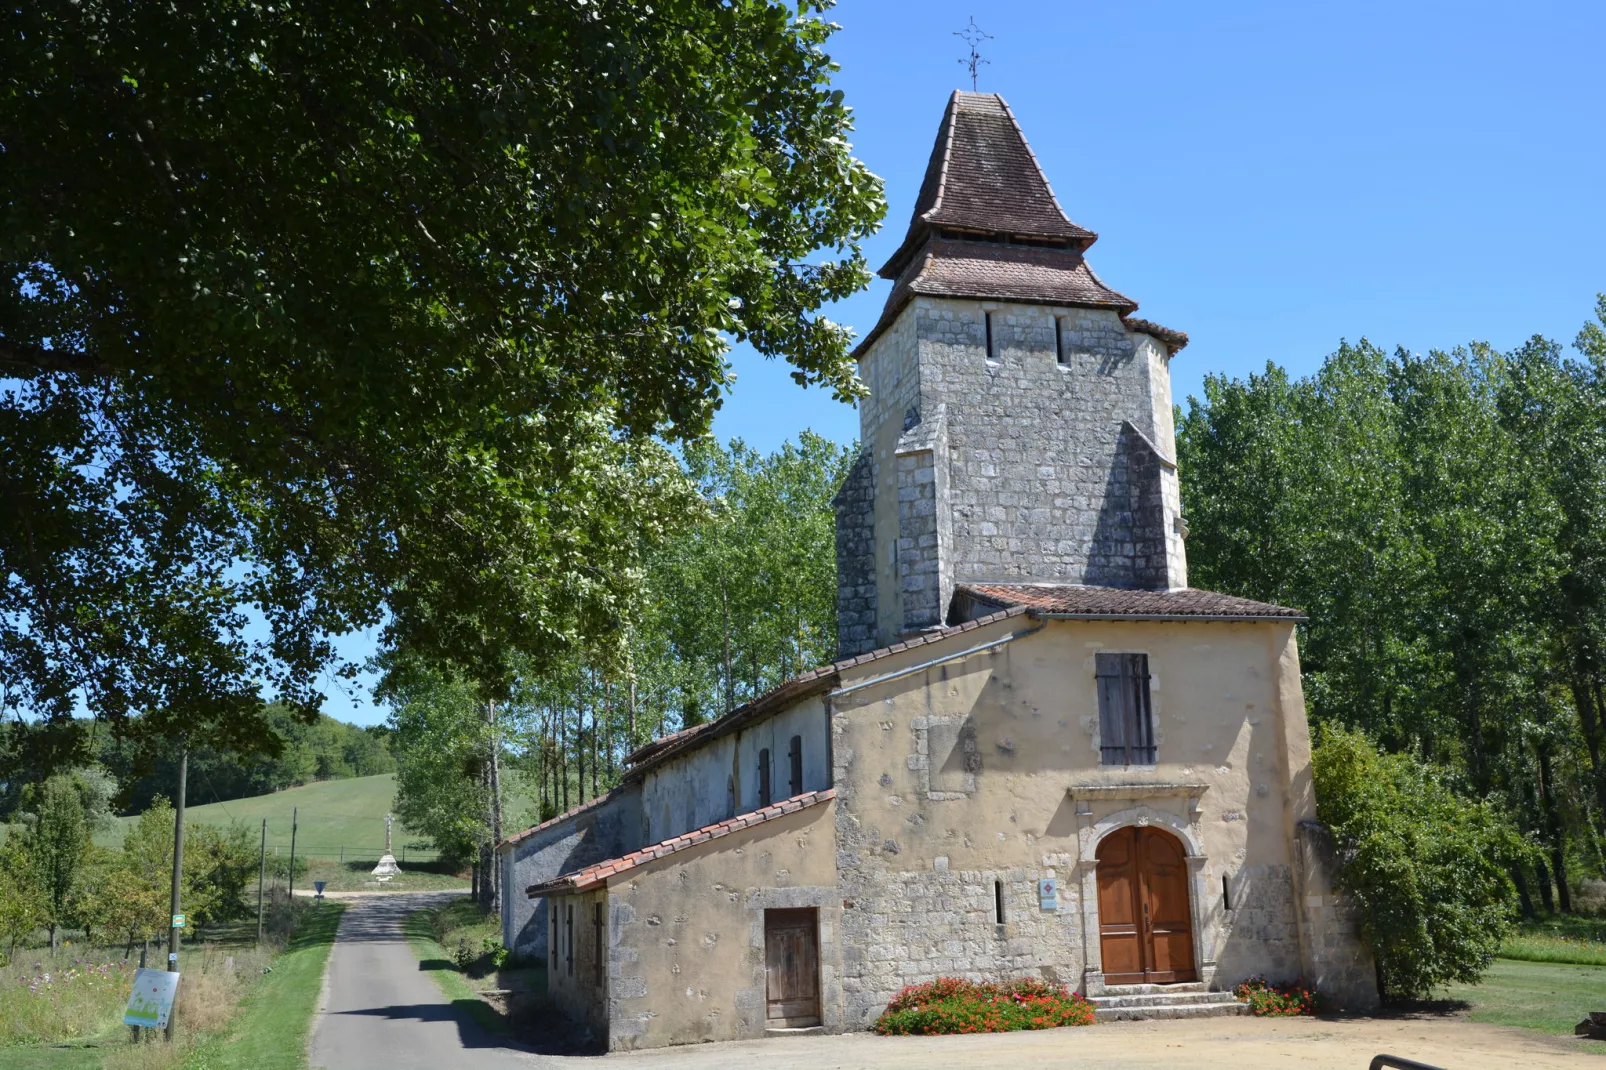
pixel 358 876
pixel 1544 996
pixel 1559 938
pixel 270 1032
pixel 424 937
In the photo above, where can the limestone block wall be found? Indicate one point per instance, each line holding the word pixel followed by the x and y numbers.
pixel 686 933
pixel 1337 960
pixel 610 829
pixel 1048 458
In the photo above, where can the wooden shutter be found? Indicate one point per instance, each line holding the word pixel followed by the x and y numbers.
pixel 797 765
pixel 1126 728
pixel 764 777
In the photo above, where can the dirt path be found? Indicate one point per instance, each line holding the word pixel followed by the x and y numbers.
pixel 1210 1044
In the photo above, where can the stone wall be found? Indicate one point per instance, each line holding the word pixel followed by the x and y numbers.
pixel 1337 960
pixel 1050 459
pixel 855 560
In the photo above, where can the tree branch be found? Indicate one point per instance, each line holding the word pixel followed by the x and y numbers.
pixel 25 360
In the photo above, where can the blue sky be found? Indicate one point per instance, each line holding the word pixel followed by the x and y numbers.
pixel 1269 177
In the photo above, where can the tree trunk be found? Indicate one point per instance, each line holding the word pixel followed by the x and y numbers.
pixel 725 609
pixel 1522 891
pixel 1545 894
pixel 1556 833
pixel 494 766
pixel 1589 721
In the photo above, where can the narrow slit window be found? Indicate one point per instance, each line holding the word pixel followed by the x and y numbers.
pixel 568 923
pixel 597 950
pixel 1059 339
pixel 796 756
pixel 764 777
pixel 998 902
pixel 1126 725
pixel 987 318
pixel 1226 893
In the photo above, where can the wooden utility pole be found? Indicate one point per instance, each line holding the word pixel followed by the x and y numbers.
pixel 262 874
pixel 178 872
pixel 293 812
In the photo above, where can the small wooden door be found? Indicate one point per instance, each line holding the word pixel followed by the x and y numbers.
pixel 792 966
pixel 1145 925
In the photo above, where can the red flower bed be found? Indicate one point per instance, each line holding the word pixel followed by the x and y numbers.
pixel 1267 1000
pixel 949 1005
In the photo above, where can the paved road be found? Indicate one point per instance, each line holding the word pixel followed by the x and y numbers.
pixel 380 1011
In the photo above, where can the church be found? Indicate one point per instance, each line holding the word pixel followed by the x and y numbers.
pixel 1041 753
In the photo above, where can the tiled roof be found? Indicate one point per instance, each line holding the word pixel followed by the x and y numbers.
pixel 590 804
pixel 812 682
pixel 999 272
pixel 983 177
pixel 1174 339
pixel 591 876
pixel 1116 603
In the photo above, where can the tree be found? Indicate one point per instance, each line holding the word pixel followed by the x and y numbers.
pixel 22 901
pixel 56 842
pixel 440 741
pixel 336 319
pixel 1430 870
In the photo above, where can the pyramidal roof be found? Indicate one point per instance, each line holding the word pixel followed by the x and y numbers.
pixel 983 178
pixel 987 227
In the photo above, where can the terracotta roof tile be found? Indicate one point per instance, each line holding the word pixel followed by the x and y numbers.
pixel 1115 603
pixel 1175 339
pixel 593 875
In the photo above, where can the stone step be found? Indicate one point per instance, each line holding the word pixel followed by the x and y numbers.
pixel 1159 999
pixel 1145 990
pixel 1223 1007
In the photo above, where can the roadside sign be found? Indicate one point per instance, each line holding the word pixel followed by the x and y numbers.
pixel 151 1001
pixel 317 886
pixel 178 921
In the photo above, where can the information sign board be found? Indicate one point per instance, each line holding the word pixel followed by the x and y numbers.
pixel 151 1001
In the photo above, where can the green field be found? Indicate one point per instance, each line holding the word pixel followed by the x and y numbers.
pixel 334 816
pixel 1544 996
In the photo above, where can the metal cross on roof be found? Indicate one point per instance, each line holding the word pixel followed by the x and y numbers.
pixel 972 35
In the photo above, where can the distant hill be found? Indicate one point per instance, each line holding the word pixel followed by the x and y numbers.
pixel 333 814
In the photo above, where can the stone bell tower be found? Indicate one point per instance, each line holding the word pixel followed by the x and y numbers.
pixel 1019 424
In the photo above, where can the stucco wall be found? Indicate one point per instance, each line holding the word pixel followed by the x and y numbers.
pixel 579 987
pixel 686 932
pixel 608 830
pixel 696 790
pixel 959 776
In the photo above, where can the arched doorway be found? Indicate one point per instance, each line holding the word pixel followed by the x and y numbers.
pixel 1145 926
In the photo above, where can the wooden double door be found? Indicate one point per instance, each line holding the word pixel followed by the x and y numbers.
pixel 792 967
pixel 1145 924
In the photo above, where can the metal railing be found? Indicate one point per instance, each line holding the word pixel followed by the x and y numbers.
pixel 1381 1061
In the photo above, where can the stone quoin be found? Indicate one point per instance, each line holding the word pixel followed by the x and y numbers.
pixel 1041 753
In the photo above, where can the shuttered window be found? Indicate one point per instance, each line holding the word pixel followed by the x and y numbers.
pixel 764 777
pixel 1126 728
pixel 797 765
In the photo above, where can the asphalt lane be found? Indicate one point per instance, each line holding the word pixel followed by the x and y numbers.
pixel 381 1011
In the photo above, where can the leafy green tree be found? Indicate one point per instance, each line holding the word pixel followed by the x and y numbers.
pixel 219 863
pixel 1430 870
pixel 336 320
pixel 22 900
pixel 56 842
pixel 440 746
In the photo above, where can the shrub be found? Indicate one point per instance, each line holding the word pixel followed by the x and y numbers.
pixel 1430 870
pixel 950 1005
pixel 1267 1000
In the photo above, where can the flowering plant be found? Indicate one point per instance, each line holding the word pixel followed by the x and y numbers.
pixel 951 1005
pixel 1271 1001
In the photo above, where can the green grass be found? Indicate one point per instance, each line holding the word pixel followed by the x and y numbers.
pixel 270 1032
pixel 1559 938
pixel 434 959
pixel 1543 996
pixel 334 814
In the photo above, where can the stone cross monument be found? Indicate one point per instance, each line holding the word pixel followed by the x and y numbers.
pixel 387 867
